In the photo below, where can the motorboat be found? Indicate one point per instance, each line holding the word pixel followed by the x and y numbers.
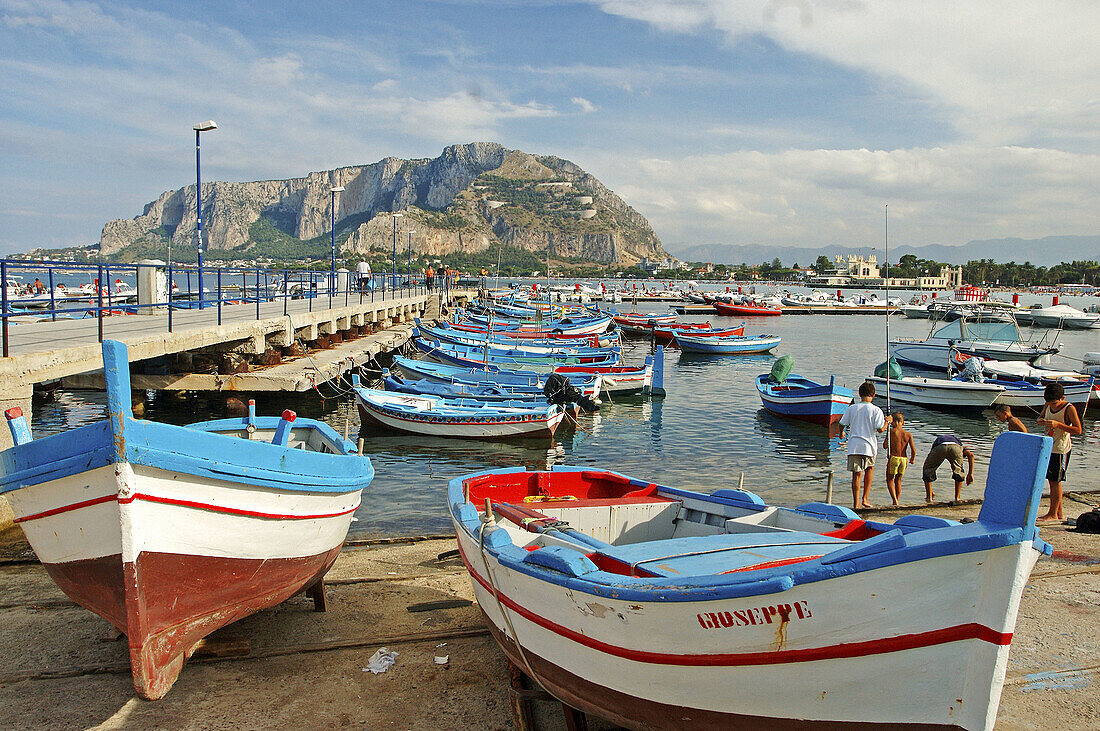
pixel 1064 316
pixel 941 393
pixel 998 340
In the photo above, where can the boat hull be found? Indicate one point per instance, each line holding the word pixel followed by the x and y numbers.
pixel 741 310
pixel 648 665
pixel 727 346
pixel 818 404
pixel 169 557
pixel 937 356
pixel 936 392
pixel 525 427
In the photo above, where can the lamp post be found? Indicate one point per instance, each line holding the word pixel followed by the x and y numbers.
pixel 199 128
pixel 410 274
pixel 393 282
pixel 333 191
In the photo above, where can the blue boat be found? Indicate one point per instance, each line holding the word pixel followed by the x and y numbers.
pixel 462 418
pixel 446 333
pixel 800 398
pixel 738 345
pixel 171 532
pixel 520 380
pixel 477 357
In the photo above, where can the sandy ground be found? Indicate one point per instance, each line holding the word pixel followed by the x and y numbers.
pixel 63 668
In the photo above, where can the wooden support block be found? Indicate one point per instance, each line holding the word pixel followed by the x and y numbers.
pixel 522 718
pixel 316 592
pixel 221 647
pixel 269 357
pixel 294 350
pixel 574 720
pixel 336 338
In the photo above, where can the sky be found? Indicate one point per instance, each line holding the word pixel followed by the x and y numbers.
pixel 781 122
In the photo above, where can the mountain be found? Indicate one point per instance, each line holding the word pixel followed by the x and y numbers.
pixel 470 197
pixel 1046 251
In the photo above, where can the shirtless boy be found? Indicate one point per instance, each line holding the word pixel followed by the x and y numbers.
pixel 897 441
pixel 1004 415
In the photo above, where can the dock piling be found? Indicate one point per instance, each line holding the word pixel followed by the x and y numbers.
pixel 829 489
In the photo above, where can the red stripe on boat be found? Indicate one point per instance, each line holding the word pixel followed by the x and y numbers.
pixel 67 508
pixel 232 511
pixel 958 633
pixel 773 564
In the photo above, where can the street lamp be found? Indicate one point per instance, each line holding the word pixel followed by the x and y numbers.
pixel 393 282
pixel 410 275
pixel 333 191
pixel 199 128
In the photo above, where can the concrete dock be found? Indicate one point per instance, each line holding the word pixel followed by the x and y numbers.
pixel 62 667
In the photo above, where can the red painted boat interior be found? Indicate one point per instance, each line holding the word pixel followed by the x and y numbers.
pixel 520 487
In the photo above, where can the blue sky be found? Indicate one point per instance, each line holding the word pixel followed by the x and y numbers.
pixel 786 122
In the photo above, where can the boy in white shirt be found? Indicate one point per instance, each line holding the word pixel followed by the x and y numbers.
pixel 862 420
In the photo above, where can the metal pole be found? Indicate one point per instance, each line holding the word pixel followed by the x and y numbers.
pixel 333 192
pixel 53 303
pixel 169 292
pixel 198 216
pixel 887 280
pixel 257 293
pixel 309 292
pixel 4 303
pixel 99 300
pixel 410 274
pixel 220 295
pixel 286 289
pixel 394 282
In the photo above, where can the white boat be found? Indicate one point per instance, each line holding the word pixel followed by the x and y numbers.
pixel 1064 316
pixel 997 340
pixel 939 392
pixel 662 608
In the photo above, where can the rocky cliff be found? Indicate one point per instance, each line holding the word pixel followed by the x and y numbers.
pixel 467 199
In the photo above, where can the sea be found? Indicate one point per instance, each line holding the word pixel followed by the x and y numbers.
pixel 708 432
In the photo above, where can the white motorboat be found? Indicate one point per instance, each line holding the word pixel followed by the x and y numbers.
pixel 939 392
pixel 998 340
pixel 1064 316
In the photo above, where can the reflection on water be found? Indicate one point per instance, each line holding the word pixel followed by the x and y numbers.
pixel 708 429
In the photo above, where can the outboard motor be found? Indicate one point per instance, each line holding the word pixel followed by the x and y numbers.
pixel 558 390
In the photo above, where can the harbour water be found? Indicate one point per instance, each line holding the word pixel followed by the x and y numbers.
pixel 707 430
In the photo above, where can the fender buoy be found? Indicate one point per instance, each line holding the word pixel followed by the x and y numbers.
pixel 923 299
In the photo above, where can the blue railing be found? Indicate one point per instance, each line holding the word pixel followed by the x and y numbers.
pixel 70 290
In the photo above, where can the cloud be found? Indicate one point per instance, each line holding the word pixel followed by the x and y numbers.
pixel 584 105
pixel 1013 71
pixel 943 195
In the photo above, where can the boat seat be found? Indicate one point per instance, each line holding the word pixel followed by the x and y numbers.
pixel 724 552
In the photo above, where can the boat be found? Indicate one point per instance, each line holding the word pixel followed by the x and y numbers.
pixel 642 323
pixel 436 416
pixel 667 333
pixel 662 608
pixel 941 393
pixel 1064 316
pixel 519 380
pixel 996 340
pixel 171 532
pixel 618 379
pixel 584 343
pixel 745 310
pixel 738 345
pixel 1015 370
pixel 464 355
pixel 800 398
pixel 581 325
pixel 478 336
pixel 488 393
pixel 1019 392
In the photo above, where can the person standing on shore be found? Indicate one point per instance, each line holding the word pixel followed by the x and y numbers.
pixel 1061 421
pixel 862 420
pixel 898 441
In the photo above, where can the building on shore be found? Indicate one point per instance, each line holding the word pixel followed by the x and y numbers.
pixel 856 271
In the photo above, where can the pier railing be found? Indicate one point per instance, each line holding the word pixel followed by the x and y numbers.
pixel 50 290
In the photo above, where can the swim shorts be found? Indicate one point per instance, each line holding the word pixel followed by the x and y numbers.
pixel 896 465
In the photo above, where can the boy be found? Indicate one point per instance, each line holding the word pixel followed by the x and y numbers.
pixel 897 442
pixel 1004 415
pixel 862 419
pixel 1061 420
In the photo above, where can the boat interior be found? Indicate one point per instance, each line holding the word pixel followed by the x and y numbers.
pixel 632 528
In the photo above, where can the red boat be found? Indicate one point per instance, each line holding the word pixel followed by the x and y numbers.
pixel 667 333
pixel 725 308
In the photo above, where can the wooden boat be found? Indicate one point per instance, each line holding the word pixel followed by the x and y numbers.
pixel 746 310
pixel 587 383
pixel 618 379
pixel 507 338
pixel 662 608
pixel 800 398
pixel 489 393
pixel 637 323
pixel 171 532
pixel 667 333
pixel 580 325
pixel 939 392
pixel 463 355
pixel 436 416
pixel 742 345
